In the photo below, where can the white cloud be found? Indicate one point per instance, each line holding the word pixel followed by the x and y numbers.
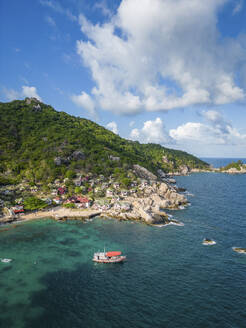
pixel 238 7
pixel 217 120
pixel 50 21
pixel 228 92
pixel 131 124
pixel 219 132
pixel 57 7
pixel 198 132
pixel 161 54
pixel 85 101
pixel 113 127
pixel 11 94
pixel 135 134
pixel 151 132
pixel 102 6
pixel 30 92
pixel 27 91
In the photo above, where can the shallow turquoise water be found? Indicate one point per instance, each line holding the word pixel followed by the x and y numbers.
pixel 169 280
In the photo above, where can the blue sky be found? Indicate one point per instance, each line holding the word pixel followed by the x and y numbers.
pixel 165 71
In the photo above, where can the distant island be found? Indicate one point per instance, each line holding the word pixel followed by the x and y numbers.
pixel 50 160
pixel 232 168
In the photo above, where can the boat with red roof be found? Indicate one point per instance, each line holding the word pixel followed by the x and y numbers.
pixel 108 257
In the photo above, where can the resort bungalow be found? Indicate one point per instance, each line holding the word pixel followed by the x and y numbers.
pixel 104 185
pixel 124 193
pixel 54 192
pixel 114 158
pixel 83 202
pixel 144 183
pixel 85 179
pixel 61 191
pixel 18 209
pixel 57 200
pixel 47 201
pixel 109 193
pixel 78 182
pixel 116 185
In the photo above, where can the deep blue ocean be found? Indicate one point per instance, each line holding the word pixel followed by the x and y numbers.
pixel 170 280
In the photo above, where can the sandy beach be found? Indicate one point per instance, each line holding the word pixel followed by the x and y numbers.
pixel 59 213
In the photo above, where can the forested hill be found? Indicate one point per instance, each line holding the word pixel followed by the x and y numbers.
pixel 40 143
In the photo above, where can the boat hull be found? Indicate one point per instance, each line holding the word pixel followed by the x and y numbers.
pixel 116 260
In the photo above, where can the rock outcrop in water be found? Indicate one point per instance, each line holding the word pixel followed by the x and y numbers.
pixel 208 242
pixel 239 250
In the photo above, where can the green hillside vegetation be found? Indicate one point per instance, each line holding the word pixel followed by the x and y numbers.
pixel 235 165
pixel 40 144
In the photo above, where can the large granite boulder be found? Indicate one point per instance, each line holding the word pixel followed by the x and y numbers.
pixel 163 189
pixel 161 174
pixel 184 169
pixel 78 155
pixel 37 108
pixel 143 173
pixel 58 161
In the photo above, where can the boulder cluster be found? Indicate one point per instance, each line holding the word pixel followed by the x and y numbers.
pixel 156 197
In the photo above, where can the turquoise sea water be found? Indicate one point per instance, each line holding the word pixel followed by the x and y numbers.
pixel 169 280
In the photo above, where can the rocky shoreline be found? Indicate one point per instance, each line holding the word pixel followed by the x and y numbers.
pixel 148 208
pixel 148 205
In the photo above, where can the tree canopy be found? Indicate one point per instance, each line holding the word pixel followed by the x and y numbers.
pixel 45 144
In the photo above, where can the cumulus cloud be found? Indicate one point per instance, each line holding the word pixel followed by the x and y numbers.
pixel 160 55
pixel 135 134
pixel 113 127
pixel 218 131
pixel 11 94
pixel 217 120
pixel 102 6
pixel 85 101
pixel 27 91
pixel 238 7
pixel 151 132
pixel 30 92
